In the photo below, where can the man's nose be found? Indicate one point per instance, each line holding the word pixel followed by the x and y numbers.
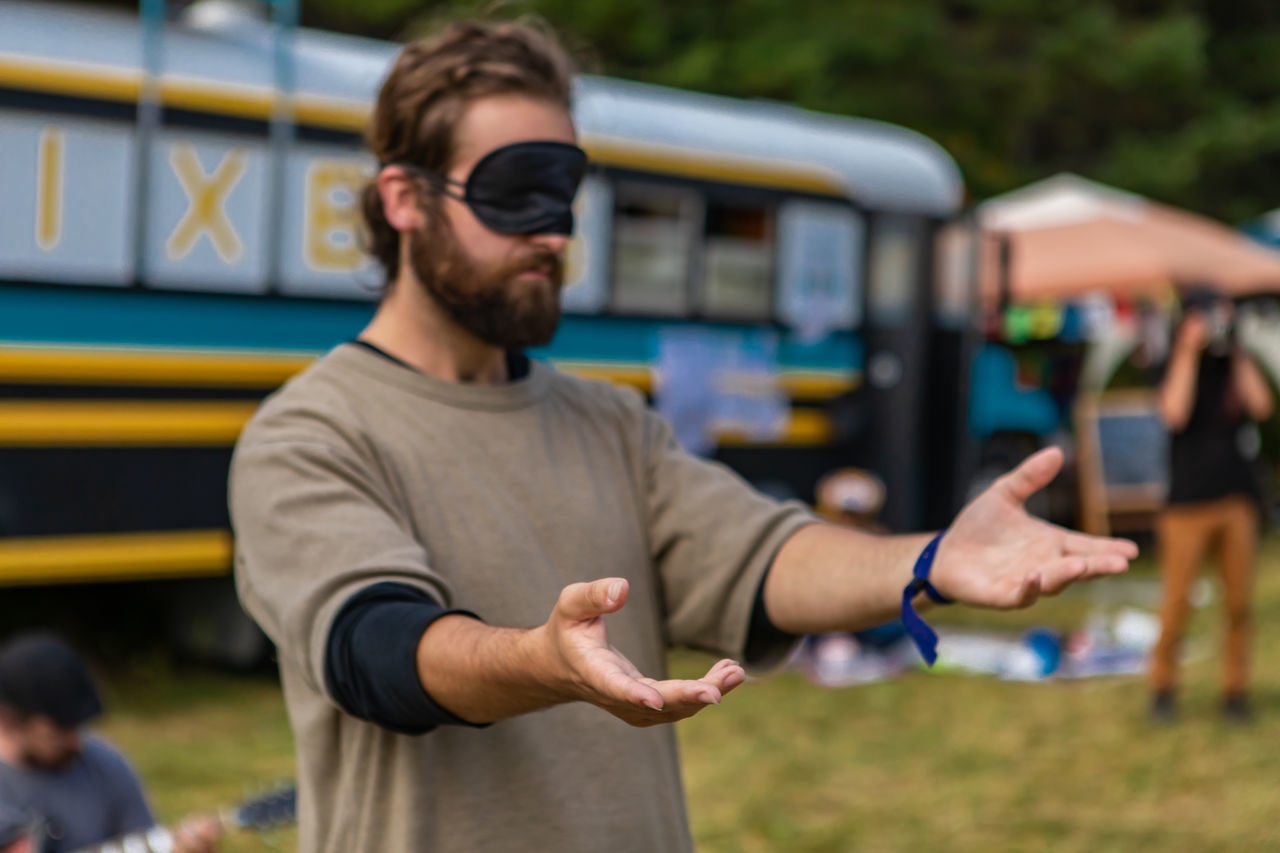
pixel 551 242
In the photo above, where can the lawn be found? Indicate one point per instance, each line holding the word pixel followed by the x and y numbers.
pixel 921 762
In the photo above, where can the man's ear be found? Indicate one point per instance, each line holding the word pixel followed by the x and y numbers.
pixel 399 193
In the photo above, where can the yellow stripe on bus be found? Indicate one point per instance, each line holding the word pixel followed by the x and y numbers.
pixel 92 80
pixel 69 78
pixel 818 384
pixel 35 365
pixel 711 166
pixel 112 423
pixel 805 428
pixel 214 96
pixel 123 423
pixel 803 384
pixel 339 113
pixel 137 367
pixel 114 557
pixel 635 374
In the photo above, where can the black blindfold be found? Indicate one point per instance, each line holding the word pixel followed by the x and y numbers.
pixel 525 188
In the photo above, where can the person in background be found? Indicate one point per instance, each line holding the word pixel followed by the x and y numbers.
pixel 71 783
pixel 1211 394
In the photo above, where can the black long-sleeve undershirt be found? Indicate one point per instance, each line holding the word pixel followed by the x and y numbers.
pixel 371 655
pixel 371 658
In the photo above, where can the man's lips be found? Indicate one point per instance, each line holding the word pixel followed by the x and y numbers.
pixel 537 271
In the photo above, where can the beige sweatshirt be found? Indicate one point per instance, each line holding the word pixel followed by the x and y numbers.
pixel 491 499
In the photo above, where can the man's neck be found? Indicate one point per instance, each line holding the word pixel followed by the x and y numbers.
pixel 410 326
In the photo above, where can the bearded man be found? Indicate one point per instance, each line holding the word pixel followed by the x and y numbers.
pixel 410 508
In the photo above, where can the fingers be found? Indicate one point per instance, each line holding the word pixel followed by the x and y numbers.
pixel 1028 590
pixel 582 601
pixel 604 676
pixel 677 699
pixel 1195 328
pixel 643 693
pixel 1035 472
pixel 610 678
pixel 1083 545
pixel 693 695
pixel 1061 573
pixel 197 835
pixel 725 675
pixel 1051 578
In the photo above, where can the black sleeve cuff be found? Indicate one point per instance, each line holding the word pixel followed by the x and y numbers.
pixel 371 667
pixel 766 642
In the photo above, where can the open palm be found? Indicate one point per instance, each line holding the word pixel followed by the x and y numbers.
pixel 602 675
pixel 997 555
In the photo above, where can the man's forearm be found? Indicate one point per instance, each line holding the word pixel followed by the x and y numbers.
pixel 831 578
pixel 483 674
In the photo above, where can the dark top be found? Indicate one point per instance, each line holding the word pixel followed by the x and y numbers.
pixel 517 362
pixel 371 653
pixel 93 799
pixel 1206 461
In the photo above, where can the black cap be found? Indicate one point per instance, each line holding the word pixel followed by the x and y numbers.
pixel 40 674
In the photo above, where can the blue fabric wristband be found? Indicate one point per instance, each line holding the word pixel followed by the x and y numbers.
pixel 921 634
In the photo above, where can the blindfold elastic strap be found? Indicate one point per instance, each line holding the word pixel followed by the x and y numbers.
pixel 440 183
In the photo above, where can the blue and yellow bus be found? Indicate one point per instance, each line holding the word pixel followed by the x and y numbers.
pixel 178 236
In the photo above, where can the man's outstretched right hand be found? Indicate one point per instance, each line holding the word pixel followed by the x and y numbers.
pixel 592 670
pixel 482 673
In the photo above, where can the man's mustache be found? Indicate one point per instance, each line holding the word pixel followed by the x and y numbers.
pixel 549 263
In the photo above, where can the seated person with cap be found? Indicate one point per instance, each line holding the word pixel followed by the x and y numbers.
pixel 71 783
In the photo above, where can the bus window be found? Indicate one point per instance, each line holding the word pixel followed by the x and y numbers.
pixel 819 267
pixel 955 286
pixel 738 262
pixel 895 268
pixel 586 269
pixel 654 229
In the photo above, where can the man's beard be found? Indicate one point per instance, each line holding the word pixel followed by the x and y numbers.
pixel 488 302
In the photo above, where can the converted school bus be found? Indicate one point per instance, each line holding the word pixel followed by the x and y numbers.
pixel 178 237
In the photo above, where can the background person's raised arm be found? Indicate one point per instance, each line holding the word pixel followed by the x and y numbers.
pixel 1177 393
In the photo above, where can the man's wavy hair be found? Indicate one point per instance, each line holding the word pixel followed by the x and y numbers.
pixel 429 87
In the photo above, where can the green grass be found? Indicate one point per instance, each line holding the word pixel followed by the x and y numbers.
pixel 922 762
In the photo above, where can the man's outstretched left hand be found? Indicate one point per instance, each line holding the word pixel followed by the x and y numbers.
pixel 996 554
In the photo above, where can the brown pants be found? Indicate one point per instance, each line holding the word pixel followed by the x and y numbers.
pixel 1185 532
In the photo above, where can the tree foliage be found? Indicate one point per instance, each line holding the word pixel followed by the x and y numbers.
pixel 1175 99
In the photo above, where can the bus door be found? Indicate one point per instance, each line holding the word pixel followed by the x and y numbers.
pixel 899 394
